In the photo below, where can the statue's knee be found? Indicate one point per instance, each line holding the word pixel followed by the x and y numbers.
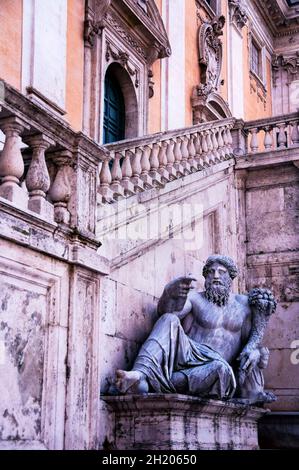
pixel 221 367
pixel 169 318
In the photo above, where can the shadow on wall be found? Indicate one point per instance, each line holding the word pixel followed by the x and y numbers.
pixel 279 430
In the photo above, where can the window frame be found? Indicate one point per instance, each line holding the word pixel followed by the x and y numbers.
pixel 261 49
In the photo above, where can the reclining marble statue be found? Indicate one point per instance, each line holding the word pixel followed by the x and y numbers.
pixel 206 344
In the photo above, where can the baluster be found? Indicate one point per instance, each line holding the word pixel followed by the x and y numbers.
pixel 268 137
pixel 11 161
pixel 192 153
pixel 116 177
pixel 154 162
pixel 282 138
pixel 170 160
pixel 145 168
pixel 210 155
pixel 105 181
pixel 60 190
pixel 178 158
pixel 254 146
pixel 136 169
pixel 197 144
pixel 37 178
pixel 221 149
pixel 163 162
pixel 225 144
pixel 127 174
pixel 295 133
pixel 229 140
pixel 199 151
pixel 215 145
pixel 185 155
pixel 205 149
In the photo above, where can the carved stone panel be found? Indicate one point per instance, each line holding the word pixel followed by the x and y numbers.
pixel 33 342
pixel 207 104
pixel 83 363
pixel 210 54
pixel 238 14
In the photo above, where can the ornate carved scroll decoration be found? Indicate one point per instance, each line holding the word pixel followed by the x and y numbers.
pixel 123 59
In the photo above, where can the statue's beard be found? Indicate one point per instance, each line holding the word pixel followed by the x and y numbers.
pixel 218 293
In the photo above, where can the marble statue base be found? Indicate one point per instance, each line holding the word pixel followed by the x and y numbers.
pixel 182 422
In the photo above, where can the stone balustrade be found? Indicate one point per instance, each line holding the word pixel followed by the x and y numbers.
pixel 47 169
pixel 135 165
pixel 60 172
pixel 276 133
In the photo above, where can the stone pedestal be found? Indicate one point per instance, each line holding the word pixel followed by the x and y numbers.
pixel 181 422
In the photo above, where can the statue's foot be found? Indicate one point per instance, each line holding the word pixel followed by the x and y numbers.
pixel 131 382
pixel 266 397
pixel 259 399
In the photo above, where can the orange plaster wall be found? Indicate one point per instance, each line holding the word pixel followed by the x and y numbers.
pixel 154 111
pixel 154 116
pixel 11 41
pixel 191 57
pixel 75 63
pixel 254 107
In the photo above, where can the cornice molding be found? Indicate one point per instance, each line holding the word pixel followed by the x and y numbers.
pixel 114 22
pixel 149 30
pixel 276 18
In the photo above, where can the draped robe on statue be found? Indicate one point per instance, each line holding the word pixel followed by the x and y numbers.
pixel 168 350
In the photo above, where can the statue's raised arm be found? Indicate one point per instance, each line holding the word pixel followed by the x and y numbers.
pixel 174 296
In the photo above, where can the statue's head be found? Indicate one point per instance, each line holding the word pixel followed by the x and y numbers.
pixel 219 272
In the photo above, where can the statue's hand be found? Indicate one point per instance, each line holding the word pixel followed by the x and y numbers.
pixel 262 300
pixel 249 359
pixel 179 287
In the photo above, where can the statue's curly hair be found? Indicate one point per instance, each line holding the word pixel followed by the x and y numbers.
pixel 225 261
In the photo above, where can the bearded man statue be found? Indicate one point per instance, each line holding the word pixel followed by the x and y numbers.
pixel 206 344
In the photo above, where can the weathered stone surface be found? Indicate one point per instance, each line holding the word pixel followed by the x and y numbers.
pixel 169 422
pixel 33 319
pixel 287 400
pixel 115 353
pixel 108 306
pixel 284 327
pixel 169 263
pixel 138 273
pixel 136 316
pixel 281 370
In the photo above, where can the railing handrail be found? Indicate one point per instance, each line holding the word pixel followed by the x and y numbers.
pixel 268 121
pixel 166 135
pixel 46 122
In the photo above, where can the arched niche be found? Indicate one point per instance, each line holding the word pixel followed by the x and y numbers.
pixel 119 76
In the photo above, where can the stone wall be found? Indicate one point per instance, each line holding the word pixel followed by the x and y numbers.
pixel 141 268
pixel 79 289
pixel 272 260
pixel 33 335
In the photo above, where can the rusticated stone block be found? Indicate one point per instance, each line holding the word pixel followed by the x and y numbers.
pixel 181 422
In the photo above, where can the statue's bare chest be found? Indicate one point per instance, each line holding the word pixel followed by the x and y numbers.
pixel 210 316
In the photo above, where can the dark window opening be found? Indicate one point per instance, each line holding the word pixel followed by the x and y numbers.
pixel 114 110
pixel 256 59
